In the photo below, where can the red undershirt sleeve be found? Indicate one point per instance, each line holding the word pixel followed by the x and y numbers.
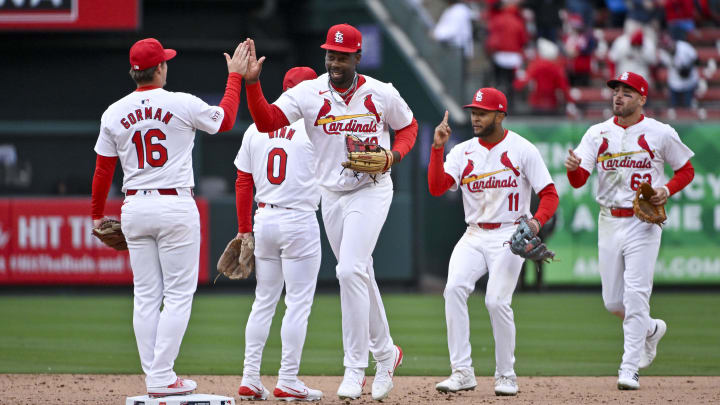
pixel 267 117
pixel 578 177
pixel 682 177
pixel 549 201
pixel 438 181
pixel 405 138
pixel 102 180
pixel 243 200
pixel 230 101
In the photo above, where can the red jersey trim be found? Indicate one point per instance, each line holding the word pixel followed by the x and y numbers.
pixel 146 88
pixel 489 145
pixel 615 121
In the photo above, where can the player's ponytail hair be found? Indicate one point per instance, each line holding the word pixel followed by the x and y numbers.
pixel 143 76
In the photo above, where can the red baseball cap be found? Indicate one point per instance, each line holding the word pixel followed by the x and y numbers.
pixel 147 53
pixel 343 38
pixel 631 79
pixel 297 75
pixel 489 99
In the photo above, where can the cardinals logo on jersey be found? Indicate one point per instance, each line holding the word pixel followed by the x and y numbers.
pixel 603 147
pixel 505 160
pixel 614 161
pixel 332 124
pixel 643 144
pixel 324 110
pixel 479 182
pixel 468 169
pixel 371 107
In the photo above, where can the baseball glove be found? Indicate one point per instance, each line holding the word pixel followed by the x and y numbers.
pixel 525 242
pixel 110 233
pixel 238 260
pixel 365 157
pixel 644 209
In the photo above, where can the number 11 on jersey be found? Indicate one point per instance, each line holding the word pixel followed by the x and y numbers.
pixel 513 201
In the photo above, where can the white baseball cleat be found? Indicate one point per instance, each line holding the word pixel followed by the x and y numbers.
pixel 352 383
pixel 382 384
pixel 460 380
pixel 181 386
pixel 628 380
pixel 648 355
pixel 296 391
pixel 505 386
pixel 252 390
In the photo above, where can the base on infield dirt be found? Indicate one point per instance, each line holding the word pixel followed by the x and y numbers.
pixel 192 399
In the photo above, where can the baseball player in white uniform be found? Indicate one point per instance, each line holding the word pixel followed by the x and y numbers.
pixel 496 171
pixel 151 131
pixel 627 150
pixel 354 206
pixel 281 166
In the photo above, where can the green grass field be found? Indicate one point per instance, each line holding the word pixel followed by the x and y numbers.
pixel 557 334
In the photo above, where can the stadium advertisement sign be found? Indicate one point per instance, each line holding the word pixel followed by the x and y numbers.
pixel 690 250
pixel 49 241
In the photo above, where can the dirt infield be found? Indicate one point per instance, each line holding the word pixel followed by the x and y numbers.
pixel 112 389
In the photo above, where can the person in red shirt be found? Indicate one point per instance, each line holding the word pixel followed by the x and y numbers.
pixel 547 78
pixel 679 17
pixel 506 40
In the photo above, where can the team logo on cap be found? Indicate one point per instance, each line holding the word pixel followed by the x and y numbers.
pixel 339 37
pixel 478 96
pixel 624 76
pixel 500 106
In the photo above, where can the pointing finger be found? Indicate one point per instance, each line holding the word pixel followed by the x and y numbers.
pixel 445 119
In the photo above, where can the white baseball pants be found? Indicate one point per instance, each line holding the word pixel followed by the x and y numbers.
pixel 628 249
pixel 353 221
pixel 481 251
pixel 287 252
pixel 163 238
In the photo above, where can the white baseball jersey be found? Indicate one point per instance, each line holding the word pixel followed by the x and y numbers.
pixel 496 183
pixel 627 157
pixel 152 132
pixel 282 164
pixel 374 108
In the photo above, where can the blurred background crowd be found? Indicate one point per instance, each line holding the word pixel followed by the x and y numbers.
pixel 553 56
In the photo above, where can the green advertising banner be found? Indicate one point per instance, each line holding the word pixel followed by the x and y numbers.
pixel 690 250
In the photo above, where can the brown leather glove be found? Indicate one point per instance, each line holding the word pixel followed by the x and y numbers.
pixel 365 157
pixel 110 233
pixel 238 260
pixel 644 209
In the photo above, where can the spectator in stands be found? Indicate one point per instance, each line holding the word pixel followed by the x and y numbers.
pixel 507 37
pixel 547 78
pixel 455 27
pixel 618 11
pixel 580 44
pixel 679 17
pixel 547 17
pixel 584 8
pixel 683 74
pixel 633 52
pixel 643 14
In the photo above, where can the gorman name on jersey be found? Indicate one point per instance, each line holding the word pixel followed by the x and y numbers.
pixel 136 116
